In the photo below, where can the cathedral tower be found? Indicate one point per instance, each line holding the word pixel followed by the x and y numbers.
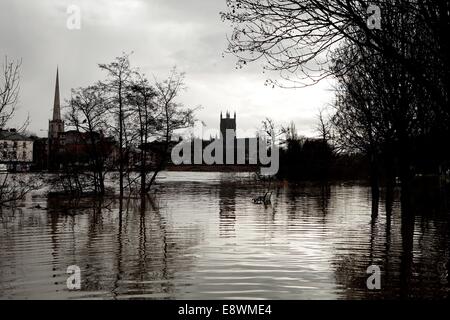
pixel 227 123
pixel 229 147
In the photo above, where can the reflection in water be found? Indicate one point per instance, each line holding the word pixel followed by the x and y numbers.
pixel 202 237
pixel 411 247
pixel 227 207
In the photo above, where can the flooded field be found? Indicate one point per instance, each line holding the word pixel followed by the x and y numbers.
pixel 201 237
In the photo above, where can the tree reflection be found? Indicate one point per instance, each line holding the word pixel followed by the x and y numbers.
pixel 414 261
pixel 227 209
pixel 126 254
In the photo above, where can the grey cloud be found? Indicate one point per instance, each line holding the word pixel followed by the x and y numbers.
pixel 162 33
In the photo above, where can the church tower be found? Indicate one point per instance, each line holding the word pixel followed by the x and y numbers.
pixel 55 131
pixel 56 125
pixel 227 123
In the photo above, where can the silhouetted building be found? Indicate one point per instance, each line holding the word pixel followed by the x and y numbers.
pixel 154 152
pixel 227 123
pixel 81 148
pixel 40 154
pixel 235 151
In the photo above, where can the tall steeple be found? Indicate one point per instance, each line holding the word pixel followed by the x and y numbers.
pixel 56 125
pixel 57 104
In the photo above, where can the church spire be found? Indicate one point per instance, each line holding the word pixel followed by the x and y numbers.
pixel 56 104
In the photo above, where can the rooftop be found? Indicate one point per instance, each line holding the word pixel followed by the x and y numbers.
pixel 13 135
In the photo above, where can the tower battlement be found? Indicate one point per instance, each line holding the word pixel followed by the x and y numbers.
pixel 227 123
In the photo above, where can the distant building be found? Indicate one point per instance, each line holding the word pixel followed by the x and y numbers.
pixel 79 148
pixel 16 150
pixel 227 123
pixel 238 145
pixel 236 151
pixel 40 154
pixel 154 152
pixel 70 147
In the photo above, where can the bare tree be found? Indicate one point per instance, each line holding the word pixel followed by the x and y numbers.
pixel 290 132
pixel 324 127
pixel 87 114
pixel 138 114
pixel 9 90
pixel 272 131
pixel 12 187
pixel 119 77
pixel 377 111
pixel 394 83
pixel 145 116
pixel 296 37
pixel 173 116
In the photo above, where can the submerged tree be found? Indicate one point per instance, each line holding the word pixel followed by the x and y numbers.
pixel 12 187
pixel 119 77
pixel 393 80
pixel 88 115
pixel 172 116
pixel 141 116
pixel 382 110
pixel 145 121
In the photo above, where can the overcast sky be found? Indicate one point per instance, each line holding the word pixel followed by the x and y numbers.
pixel 162 34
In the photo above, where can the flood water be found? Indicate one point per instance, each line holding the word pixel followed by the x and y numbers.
pixel 201 237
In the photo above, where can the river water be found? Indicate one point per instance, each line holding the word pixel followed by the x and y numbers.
pixel 201 237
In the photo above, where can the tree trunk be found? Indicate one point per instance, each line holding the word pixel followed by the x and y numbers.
pixel 374 176
pixel 121 158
